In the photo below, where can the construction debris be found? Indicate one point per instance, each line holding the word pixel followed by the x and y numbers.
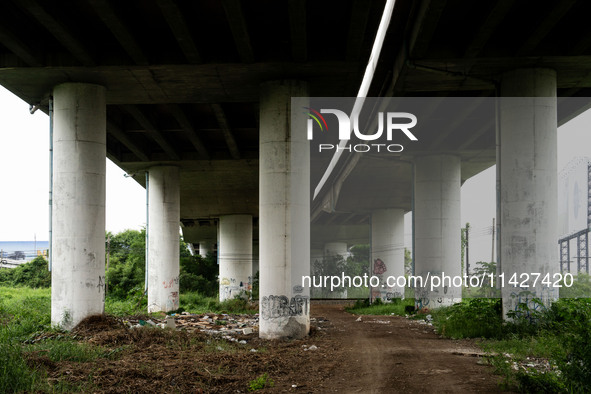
pixel 209 323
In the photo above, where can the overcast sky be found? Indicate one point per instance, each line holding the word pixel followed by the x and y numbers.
pixel 24 180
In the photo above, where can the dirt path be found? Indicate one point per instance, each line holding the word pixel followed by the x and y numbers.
pixel 383 354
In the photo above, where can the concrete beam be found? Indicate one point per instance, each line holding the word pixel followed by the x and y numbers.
pixel 180 29
pixel 239 29
pixel 220 115
pixel 120 30
pixel 120 135
pixel 486 30
pixel 185 123
pixel 19 48
pixel 59 31
pixel 546 25
pixel 151 130
pixel 424 27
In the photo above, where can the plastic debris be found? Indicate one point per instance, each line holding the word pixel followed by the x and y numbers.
pixel 170 322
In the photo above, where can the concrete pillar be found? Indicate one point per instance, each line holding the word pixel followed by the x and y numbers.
pixel 205 247
pixel 163 239
pixel 79 167
pixel 336 249
pixel 235 255
pixel 387 251
pixel 284 209
pixel 527 175
pixel 437 228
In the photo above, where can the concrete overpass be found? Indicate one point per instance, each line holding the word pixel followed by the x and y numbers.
pixel 197 94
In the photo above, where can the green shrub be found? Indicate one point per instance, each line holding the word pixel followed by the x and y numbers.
pixel 34 274
pixel 538 382
pixel 474 318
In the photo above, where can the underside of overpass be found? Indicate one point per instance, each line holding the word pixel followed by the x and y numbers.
pixel 183 88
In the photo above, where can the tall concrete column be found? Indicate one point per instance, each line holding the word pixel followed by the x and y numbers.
pixel 437 228
pixel 79 167
pixel 528 184
pixel 205 247
pixel 284 209
pixel 163 239
pixel 387 251
pixel 235 255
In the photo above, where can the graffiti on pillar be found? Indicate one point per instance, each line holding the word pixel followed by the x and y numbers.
pixel 101 284
pixel 281 306
pixel 298 289
pixel 172 303
pixel 421 297
pixel 379 267
pixel 170 283
pixel 225 282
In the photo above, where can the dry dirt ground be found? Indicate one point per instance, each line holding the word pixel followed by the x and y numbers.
pixel 378 354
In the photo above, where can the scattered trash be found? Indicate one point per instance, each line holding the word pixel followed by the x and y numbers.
pixel 358 319
pixel 313 347
pixel 253 350
pixel 293 386
pixel 377 321
pixel 242 342
pixel 209 323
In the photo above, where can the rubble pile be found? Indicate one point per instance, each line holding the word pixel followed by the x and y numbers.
pixel 209 323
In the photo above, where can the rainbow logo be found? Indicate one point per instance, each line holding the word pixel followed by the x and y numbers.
pixel 315 115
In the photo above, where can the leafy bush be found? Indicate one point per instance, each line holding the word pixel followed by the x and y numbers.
pixel 34 274
pixel 199 274
pixel 571 320
pixel 477 317
pixel 127 264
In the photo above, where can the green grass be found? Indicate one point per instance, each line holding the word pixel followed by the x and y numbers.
pixel 544 345
pixel 196 303
pixel 23 312
pixel 68 350
pixel 121 308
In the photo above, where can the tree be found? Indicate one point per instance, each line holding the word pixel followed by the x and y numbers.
pixel 127 264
